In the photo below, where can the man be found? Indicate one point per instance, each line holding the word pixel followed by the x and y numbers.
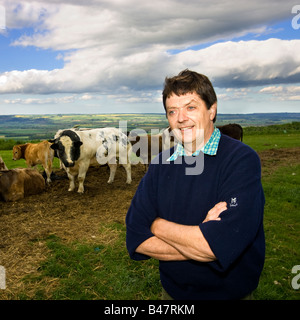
pixel 205 228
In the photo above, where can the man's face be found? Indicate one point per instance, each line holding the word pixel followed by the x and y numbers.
pixel 190 120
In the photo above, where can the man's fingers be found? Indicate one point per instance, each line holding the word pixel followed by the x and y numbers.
pixel 213 214
pixel 220 205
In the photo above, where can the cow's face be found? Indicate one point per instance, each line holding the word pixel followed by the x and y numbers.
pixel 17 153
pixel 67 147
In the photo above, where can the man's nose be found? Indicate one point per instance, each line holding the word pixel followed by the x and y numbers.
pixel 182 116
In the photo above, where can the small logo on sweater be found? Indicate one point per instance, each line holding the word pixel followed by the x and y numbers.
pixel 233 202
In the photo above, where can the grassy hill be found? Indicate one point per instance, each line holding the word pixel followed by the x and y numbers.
pixel 38 127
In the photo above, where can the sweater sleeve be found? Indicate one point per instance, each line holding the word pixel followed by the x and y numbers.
pixel 240 186
pixel 142 212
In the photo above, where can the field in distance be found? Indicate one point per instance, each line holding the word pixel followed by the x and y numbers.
pixel 38 127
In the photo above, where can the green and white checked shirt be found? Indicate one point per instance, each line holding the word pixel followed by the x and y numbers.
pixel 210 148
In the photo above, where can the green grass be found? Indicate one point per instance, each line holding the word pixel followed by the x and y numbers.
pixel 95 271
pixel 282 230
pixel 269 141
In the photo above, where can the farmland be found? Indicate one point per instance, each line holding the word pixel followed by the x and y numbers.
pixel 61 245
pixel 37 127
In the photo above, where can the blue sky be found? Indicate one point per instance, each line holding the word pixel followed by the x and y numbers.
pixel 109 56
pixel 24 58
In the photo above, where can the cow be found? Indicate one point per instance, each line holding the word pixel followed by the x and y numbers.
pixel 232 130
pixel 2 164
pixel 78 149
pixel 36 153
pixel 146 146
pixel 18 183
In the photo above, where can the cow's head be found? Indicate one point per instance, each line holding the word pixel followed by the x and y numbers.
pixel 17 153
pixel 67 146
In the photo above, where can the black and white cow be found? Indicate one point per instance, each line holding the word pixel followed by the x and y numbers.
pixel 78 149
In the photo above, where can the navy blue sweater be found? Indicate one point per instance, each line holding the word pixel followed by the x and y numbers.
pixel 166 191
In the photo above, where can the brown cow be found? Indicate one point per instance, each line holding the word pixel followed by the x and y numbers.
pixel 15 184
pixel 36 153
pixel 146 146
pixel 232 130
pixel 2 165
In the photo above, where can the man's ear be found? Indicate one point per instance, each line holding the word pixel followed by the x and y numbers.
pixel 213 111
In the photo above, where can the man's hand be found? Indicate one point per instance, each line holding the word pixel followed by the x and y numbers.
pixel 213 214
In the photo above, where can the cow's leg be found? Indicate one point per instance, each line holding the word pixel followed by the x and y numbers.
pixel 113 169
pixel 72 181
pixel 48 174
pixel 124 159
pixel 81 178
pixel 83 168
pixel 48 171
pixel 127 167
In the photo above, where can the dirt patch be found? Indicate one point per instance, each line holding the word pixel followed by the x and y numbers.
pixel 25 224
pixel 273 158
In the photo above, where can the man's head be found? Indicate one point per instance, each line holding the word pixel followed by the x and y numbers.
pixel 191 107
pixel 188 82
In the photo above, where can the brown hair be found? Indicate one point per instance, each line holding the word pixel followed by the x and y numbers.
pixel 187 82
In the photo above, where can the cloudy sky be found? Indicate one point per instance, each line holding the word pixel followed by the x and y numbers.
pixel 99 56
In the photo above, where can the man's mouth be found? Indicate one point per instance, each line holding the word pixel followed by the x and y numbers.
pixel 186 128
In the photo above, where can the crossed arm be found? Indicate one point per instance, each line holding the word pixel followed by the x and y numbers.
pixel 173 241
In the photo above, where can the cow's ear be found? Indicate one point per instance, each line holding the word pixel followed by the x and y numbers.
pixel 54 146
pixel 77 143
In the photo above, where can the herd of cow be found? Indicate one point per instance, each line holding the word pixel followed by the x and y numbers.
pixel 78 149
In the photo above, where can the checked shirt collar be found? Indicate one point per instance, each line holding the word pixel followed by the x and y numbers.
pixel 210 148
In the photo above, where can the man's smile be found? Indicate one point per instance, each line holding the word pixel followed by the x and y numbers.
pixel 186 128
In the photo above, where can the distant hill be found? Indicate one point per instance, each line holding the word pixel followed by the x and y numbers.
pixel 258 119
pixel 37 127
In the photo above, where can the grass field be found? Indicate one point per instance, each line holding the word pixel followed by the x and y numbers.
pixel 81 270
pixel 282 230
pixel 270 141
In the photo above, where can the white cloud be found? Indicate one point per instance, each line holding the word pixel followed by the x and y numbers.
pixel 41 101
pixel 139 24
pixel 244 63
pixel 86 97
pixel 118 47
pixel 293 89
pixel 228 64
pixel 282 93
pixel 294 98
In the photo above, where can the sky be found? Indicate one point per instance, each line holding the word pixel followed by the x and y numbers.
pixel 112 56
